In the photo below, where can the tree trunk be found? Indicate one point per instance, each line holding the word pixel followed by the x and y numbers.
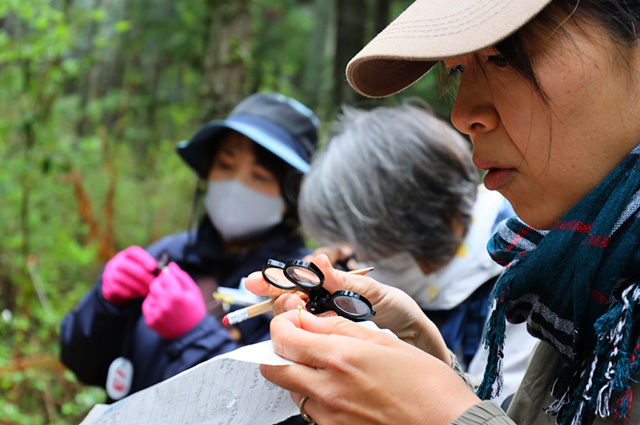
pixel 351 27
pixel 224 67
pixel 317 73
pixel 381 16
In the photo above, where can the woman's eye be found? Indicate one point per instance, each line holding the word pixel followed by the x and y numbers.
pixel 497 60
pixel 223 165
pixel 456 70
pixel 262 177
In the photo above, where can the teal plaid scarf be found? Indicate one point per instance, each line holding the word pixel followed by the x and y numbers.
pixel 576 286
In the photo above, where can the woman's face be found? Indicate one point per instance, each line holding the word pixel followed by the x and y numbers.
pixel 542 157
pixel 236 159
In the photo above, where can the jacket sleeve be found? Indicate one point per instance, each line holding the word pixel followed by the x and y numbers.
pixel 484 413
pixel 206 340
pixel 472 382
pixel 93 335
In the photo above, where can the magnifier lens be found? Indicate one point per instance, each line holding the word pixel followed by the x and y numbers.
pixel 276 277
pixel 351 305
pixel 303 276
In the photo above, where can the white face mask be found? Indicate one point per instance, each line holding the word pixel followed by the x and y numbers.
pixel 402 271
pixel 238 211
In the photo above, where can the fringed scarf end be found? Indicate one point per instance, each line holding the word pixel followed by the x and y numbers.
pixel 623 406
pixel 491 385
pixel 603 384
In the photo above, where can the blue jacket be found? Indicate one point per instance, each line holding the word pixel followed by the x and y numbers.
pixel 96 331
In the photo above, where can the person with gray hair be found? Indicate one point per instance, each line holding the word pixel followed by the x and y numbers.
pixel 396 186
pixel 357 187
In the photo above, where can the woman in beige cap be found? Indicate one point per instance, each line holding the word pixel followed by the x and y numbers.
pixel 549 97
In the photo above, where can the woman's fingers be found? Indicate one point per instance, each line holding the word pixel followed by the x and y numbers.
pixel 180 277
pixel 395 310
pixel 308 339
pixel 256 284
pixel 312 343
pixel 352 374
pixel 142 257
pixel 288 301
pixel 335 280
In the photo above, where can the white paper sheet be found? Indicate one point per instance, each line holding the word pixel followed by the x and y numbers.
pixel 227 389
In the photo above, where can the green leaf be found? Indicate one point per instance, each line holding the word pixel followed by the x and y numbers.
pixel 123 26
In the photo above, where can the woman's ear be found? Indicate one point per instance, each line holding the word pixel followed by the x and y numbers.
pixel 458 227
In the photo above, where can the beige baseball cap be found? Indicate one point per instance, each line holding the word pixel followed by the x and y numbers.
pixel 430 30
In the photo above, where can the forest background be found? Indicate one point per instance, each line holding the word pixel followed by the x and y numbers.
pixel 94 95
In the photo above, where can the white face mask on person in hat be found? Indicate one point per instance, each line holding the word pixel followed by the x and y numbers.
pixel 238 211
pixel 243 197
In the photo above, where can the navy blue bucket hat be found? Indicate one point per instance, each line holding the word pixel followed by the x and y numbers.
pixel 280 124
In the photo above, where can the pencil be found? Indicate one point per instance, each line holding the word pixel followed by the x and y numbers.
pixel 265 306
pixel 248 312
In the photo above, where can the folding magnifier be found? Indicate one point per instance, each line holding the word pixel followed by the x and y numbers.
pixel 307 277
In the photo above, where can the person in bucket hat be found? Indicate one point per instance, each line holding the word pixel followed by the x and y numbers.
pixel 547 91
pixel 152 313
pixel 280 124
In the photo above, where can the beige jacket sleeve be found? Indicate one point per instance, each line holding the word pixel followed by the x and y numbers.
pixel 533 397
pixel 485 412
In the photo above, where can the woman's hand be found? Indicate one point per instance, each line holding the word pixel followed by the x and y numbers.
pixel 341 256
pixel 354 375
pixel 395 310
pixel 174 305
pixel 127 275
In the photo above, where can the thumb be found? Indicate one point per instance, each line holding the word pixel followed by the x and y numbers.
pixel 335 280
pixel 259 286
pixel 142 257
pixel 307 339
pixel 333 325
pixel 181 277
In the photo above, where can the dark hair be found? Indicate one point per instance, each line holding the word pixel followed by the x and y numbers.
pixel 391 180
pixel 619 18
pixel 289 179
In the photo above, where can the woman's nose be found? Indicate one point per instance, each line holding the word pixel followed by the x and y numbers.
pixel 473 110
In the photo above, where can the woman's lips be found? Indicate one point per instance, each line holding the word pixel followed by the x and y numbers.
pixel 497 177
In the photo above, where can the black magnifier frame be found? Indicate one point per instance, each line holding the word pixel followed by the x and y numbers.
pixel 307 277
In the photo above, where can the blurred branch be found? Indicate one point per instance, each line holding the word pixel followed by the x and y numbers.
pixel 32 267
pixel 50 403
pixel 107 245
pixel 45 361
pixel 84 203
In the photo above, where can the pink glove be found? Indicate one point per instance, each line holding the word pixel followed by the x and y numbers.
pixel 174 304
pixel 127 275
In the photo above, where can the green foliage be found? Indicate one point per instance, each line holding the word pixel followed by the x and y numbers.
pixel 278 59
pixel 75 98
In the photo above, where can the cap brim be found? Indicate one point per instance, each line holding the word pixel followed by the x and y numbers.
pixel 192 151
pixel 431 30
pixel 272 144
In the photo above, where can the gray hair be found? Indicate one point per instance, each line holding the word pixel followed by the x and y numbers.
pixel 390 180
